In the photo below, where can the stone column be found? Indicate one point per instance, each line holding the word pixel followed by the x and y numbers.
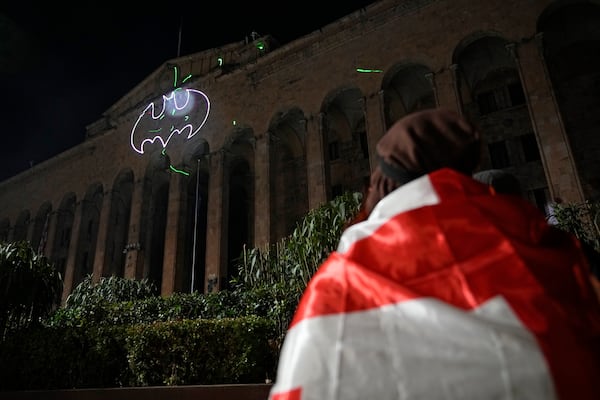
pixel 50 234
pixel 103 226
pixel 315 162
pixel 456 85
pixel 173 257
pixel 374 124
pixel 430 76
pixel 447 88
pixel 134 261
pixel 11 234
pixel 73 243
pixel 548 127
pixel 215 253
pixel 30 226
pixel 199 198
pixel 262 191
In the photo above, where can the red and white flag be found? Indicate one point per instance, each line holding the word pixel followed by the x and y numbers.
pixel 447 291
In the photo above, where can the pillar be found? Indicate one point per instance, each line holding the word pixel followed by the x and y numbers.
pixel 103 225
pixel 374 124
pixel 262 191
pixel 548 127
pixel 216 223
pixel 73 243
pixel 50 234
pixel 447 88
pixel 175 233
pixel 315 162
pixel 134 261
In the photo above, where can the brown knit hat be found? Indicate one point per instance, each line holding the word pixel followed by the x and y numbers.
pixel 420 143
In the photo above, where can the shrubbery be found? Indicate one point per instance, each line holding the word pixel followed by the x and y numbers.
pixel 30 287
pixel 581 219
pixel 117 332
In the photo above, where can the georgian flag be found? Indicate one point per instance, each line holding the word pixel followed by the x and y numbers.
pixel 447 291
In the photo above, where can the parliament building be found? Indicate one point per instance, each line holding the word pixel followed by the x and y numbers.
pixel 232 146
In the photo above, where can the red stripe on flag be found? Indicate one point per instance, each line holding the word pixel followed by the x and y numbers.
pixel 294 394
pixel 457 251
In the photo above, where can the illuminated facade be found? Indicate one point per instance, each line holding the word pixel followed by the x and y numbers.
pixel 233 145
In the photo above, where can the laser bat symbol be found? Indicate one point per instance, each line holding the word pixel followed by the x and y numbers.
pixel 150 125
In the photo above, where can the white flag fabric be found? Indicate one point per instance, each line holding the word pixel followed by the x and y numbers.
pixel 447 291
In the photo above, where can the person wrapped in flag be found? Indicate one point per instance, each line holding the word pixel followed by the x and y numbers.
pixel 444 288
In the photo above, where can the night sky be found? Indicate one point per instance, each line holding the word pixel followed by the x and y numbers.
pixel 62 67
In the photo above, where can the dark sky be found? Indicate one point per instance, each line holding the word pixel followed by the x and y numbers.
pixel 62 67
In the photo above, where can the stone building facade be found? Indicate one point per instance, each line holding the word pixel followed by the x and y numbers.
pixel 253 135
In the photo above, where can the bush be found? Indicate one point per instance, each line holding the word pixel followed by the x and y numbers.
pixel 30 287
pixel 580 219
pixel 583 221
pixel 111 289
pixel 184 352
pixel 281 271
pixel 229 350
pixel 45 358
pixel 292 261
pixel 119 332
